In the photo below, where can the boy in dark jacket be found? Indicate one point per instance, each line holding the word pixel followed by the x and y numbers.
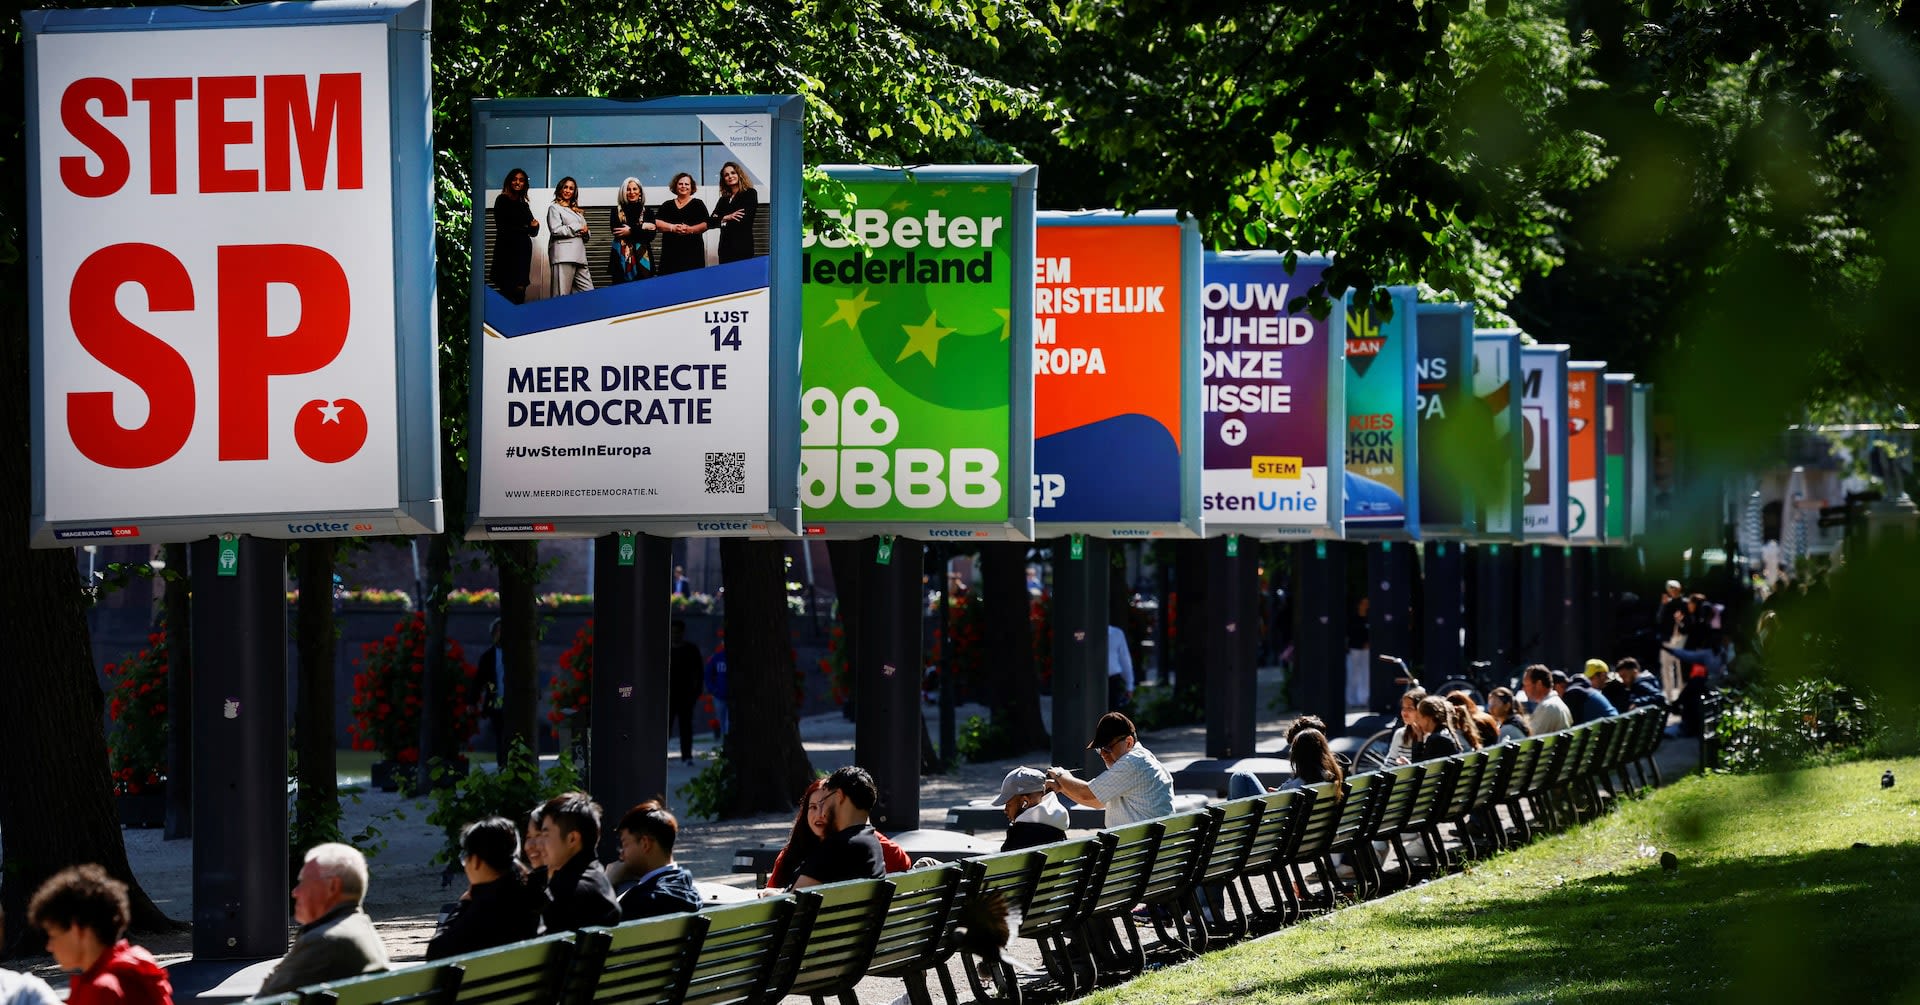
pixel 664 886
pixel 578 894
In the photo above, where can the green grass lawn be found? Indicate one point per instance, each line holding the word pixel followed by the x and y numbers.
pixel 1774 900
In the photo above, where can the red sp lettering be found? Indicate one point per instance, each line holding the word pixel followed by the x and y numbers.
pixel 249 354
pixel 133 353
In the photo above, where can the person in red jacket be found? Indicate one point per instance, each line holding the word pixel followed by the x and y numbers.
pixel 84 913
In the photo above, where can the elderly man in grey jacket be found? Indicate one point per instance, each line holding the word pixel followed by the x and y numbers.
pixel 336 938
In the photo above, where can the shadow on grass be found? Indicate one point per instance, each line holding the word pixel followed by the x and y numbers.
pixel 1830 925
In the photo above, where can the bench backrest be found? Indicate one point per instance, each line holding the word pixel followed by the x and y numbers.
pixel 426 984
pixel 1403 787
pixel 1553 750
pixel 1465 785
pixel 1437 779
pixel 1130 854
pixel 739 958
pixel 639 963
pixel 524 973
pixel 925 902
pixel 1314 837
pixel 831 941
pixel 1279 831
pixel 1493 776
pixel 1185 839
pixel 1575 742
pixel 1526 756
pixel 1361 809
pixel 1063 889
pixel 1235 825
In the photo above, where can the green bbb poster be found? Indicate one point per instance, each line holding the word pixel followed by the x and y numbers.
pixel 917 342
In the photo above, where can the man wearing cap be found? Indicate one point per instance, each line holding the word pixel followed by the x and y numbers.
pixel 1601 677
pixel 1582 701
pixel 1134 787
pixel 1549 713
pixel 1034 815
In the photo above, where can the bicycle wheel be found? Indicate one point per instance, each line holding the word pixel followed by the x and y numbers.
pixel 1372 755
pixel 1452 684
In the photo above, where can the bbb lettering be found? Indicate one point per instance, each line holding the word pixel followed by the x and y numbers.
pixel 315 129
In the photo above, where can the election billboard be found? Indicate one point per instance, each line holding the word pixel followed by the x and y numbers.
pixel 1543 430
pixel 1586 452
pixel 1454 425
pixel 1496 383
pixel 230 266
pixel 636 317
pixel 1382 443
pixel 1273 403
pixel 1116 375
pixel 917 399
pixel 1618 414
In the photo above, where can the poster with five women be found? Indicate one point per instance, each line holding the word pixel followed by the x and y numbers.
pixel 636 316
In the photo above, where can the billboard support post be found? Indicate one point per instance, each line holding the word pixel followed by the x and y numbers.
pixel 886 719
pixel 240 846
pixel 1320 629
pixel 631 679
pixel 1390 588
pixel 1443 591
pixel 1493 608
pixel 1233 638
pixel 1080 595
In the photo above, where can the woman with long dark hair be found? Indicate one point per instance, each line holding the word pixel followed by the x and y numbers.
pixel 806 836
pixel 734 212
pixel 514 229
pixel 1313 762
pixel 1505 709
pixel 1433 729
pixel 632 226
pixel 498 908
pixel 567 241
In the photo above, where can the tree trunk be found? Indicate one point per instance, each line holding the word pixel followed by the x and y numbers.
pixel 519 564
pixel 177 602
pixel 1009 630
pixel 847 570
pixel 770 765
pixel 1190 622
pixel 317 793
pixel 56 797
pixel 436 719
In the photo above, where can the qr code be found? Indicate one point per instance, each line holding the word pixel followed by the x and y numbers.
pixel 726 472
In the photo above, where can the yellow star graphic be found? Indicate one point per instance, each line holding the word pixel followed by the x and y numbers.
pixel 901 205
pixel 939 193
pixel 849 310
pixel 925 340
pixel 1006 323
pixel 979 189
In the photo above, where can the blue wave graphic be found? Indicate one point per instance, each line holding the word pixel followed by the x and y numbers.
pixel 513 320
pixel 1120 470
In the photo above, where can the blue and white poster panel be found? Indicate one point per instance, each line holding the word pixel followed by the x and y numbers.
pixel 1383 442
pixel 1274 400
pixel 1496 383
pixel 636 349
pixel 1116 375
pixel 1455 426
pixel 230 272
pixel 1543 431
